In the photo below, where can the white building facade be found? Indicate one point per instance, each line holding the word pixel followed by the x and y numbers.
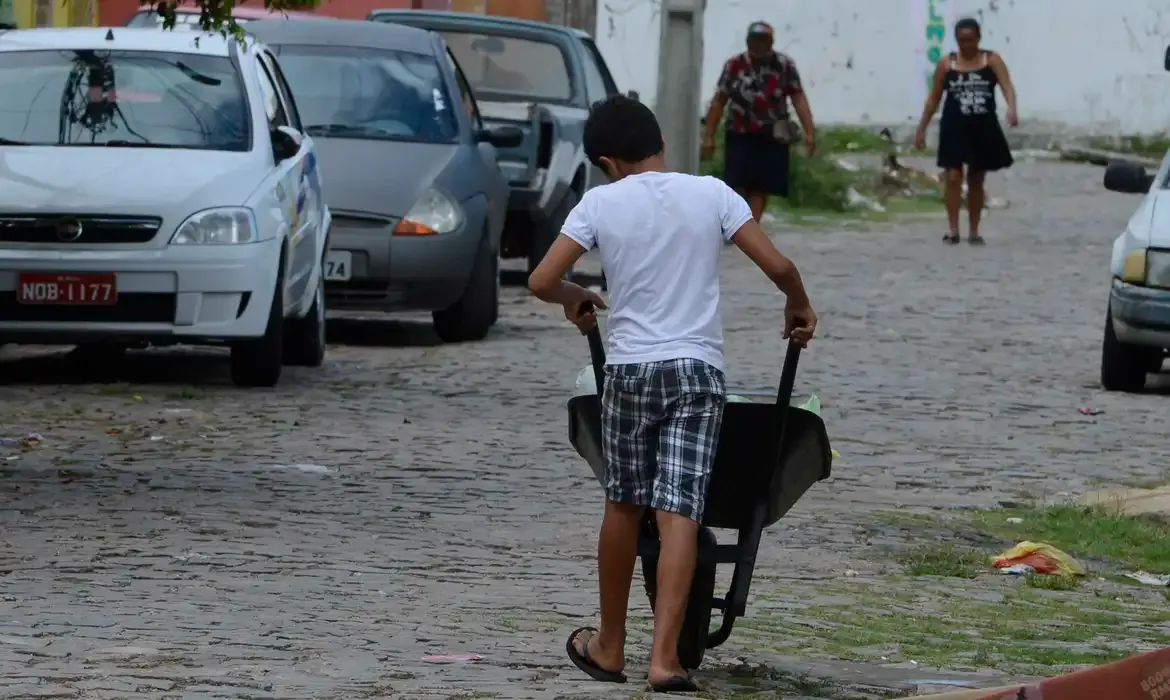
pixel 1091 66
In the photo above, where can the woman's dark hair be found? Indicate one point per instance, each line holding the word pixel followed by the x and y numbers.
pixel 621 128
pixel 968 23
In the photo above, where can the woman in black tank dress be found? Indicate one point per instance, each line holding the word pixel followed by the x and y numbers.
pixel 969 133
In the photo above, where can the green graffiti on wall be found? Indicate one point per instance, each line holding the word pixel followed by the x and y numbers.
pixel 936 36
pixel 7 12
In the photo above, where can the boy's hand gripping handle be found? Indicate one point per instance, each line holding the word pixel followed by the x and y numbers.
pixel 597 350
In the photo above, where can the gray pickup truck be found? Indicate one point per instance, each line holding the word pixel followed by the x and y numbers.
pixel 542 78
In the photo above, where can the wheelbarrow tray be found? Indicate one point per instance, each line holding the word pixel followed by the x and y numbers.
pixel 747 462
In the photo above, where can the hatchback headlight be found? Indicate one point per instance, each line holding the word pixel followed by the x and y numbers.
pixel 1158 268
pixel 221 226
pixel 434 212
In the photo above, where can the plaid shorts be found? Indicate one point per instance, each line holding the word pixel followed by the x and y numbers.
pixel 660 428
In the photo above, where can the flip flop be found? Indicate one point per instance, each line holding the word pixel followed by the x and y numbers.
pixel 951 238
pixel 675 684
pixel 582 661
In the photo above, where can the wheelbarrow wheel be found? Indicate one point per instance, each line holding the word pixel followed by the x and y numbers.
pixel 692 640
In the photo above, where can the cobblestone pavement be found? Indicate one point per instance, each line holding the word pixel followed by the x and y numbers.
pixel 176 537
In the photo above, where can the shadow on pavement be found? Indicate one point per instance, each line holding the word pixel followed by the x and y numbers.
pixel 184 366
pixel 381 332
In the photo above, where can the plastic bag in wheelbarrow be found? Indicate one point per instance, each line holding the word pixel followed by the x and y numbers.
pixel 747 458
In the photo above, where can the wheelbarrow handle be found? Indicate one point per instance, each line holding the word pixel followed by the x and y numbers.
pixel 596 350
pixel 788 375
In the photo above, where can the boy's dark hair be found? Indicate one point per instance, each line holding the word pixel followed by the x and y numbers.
pixel 621 128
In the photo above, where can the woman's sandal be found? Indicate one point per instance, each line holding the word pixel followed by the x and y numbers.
pixel 975 239
pixel 582 661
pixel 952 238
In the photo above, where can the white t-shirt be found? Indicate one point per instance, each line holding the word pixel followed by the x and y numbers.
pixel 660 236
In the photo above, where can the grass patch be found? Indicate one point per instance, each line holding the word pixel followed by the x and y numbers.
pixel 818 187
pixel 1146 146
pixel 1130 542
pixel 814 183
pixel 944 560
pixel 851 139
pixel 995 623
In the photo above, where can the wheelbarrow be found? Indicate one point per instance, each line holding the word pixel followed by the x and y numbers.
pixel 769 455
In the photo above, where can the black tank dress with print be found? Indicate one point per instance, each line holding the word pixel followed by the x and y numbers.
pixel 970 133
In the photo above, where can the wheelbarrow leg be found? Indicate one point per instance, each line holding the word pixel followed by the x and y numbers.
pixel 735 604
pixel 693 639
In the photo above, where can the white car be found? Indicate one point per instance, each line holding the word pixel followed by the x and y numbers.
pixel 1137 323
pixel 155 189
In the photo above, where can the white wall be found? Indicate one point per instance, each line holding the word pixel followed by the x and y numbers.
pixel 1093 65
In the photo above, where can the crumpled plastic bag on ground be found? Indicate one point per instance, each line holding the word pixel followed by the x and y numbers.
pixel 1041 558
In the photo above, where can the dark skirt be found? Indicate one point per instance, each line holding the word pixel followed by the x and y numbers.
pixel 755 164
pixel 979 143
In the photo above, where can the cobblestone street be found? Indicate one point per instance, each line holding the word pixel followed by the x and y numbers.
pixel 174 536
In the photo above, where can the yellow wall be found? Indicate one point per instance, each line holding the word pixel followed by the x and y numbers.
pixel 56 13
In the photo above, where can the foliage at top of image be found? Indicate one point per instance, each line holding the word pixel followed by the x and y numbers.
pixel 216 15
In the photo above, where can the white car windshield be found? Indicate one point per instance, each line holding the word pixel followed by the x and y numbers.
pixel 512 67
pixel 122 98
pixel 368 93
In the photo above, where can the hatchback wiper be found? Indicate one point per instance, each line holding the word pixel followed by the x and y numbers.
pixel 10 142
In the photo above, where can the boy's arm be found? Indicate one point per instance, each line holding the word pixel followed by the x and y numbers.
pixel 800 321
pixel 752 240
pixel 547 280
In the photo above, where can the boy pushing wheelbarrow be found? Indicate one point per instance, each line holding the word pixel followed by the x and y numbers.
pixel 660 235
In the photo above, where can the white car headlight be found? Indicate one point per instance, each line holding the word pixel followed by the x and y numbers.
pixel 1158 268
pixel 434 212
pixel 220 226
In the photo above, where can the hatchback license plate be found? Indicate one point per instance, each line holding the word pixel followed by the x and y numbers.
pixel 337 266
pixel 67 288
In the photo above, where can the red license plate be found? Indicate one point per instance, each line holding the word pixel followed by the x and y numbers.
pixel 67 288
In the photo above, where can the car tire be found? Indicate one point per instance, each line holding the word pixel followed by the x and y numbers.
pixel 546 231
pixel 258 362
pixel 475 313
pixel 1124 366
pixel 304 338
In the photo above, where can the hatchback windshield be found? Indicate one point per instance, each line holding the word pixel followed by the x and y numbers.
pixel 369 93
pixel 122 98
pixel 511 66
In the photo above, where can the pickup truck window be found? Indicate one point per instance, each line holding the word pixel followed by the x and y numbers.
pixel 144 99
pixel 512 67
pixel 596 63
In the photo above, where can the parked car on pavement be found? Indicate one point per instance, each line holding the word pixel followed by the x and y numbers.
pixel 417 196
pixel 542 78
pixel 1137 322
pixel 187 16
pixel 154 190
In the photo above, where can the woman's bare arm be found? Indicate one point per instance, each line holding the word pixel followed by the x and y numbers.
pixel 997 65
pixel 936 91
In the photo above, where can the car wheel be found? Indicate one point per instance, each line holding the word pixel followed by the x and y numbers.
pixel 258 362
pixel 473 315
pixel 1124 366
pixel 546 231
pixel 304 338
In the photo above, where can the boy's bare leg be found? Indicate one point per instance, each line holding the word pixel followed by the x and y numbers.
pixel 679 537
pixel 617 550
